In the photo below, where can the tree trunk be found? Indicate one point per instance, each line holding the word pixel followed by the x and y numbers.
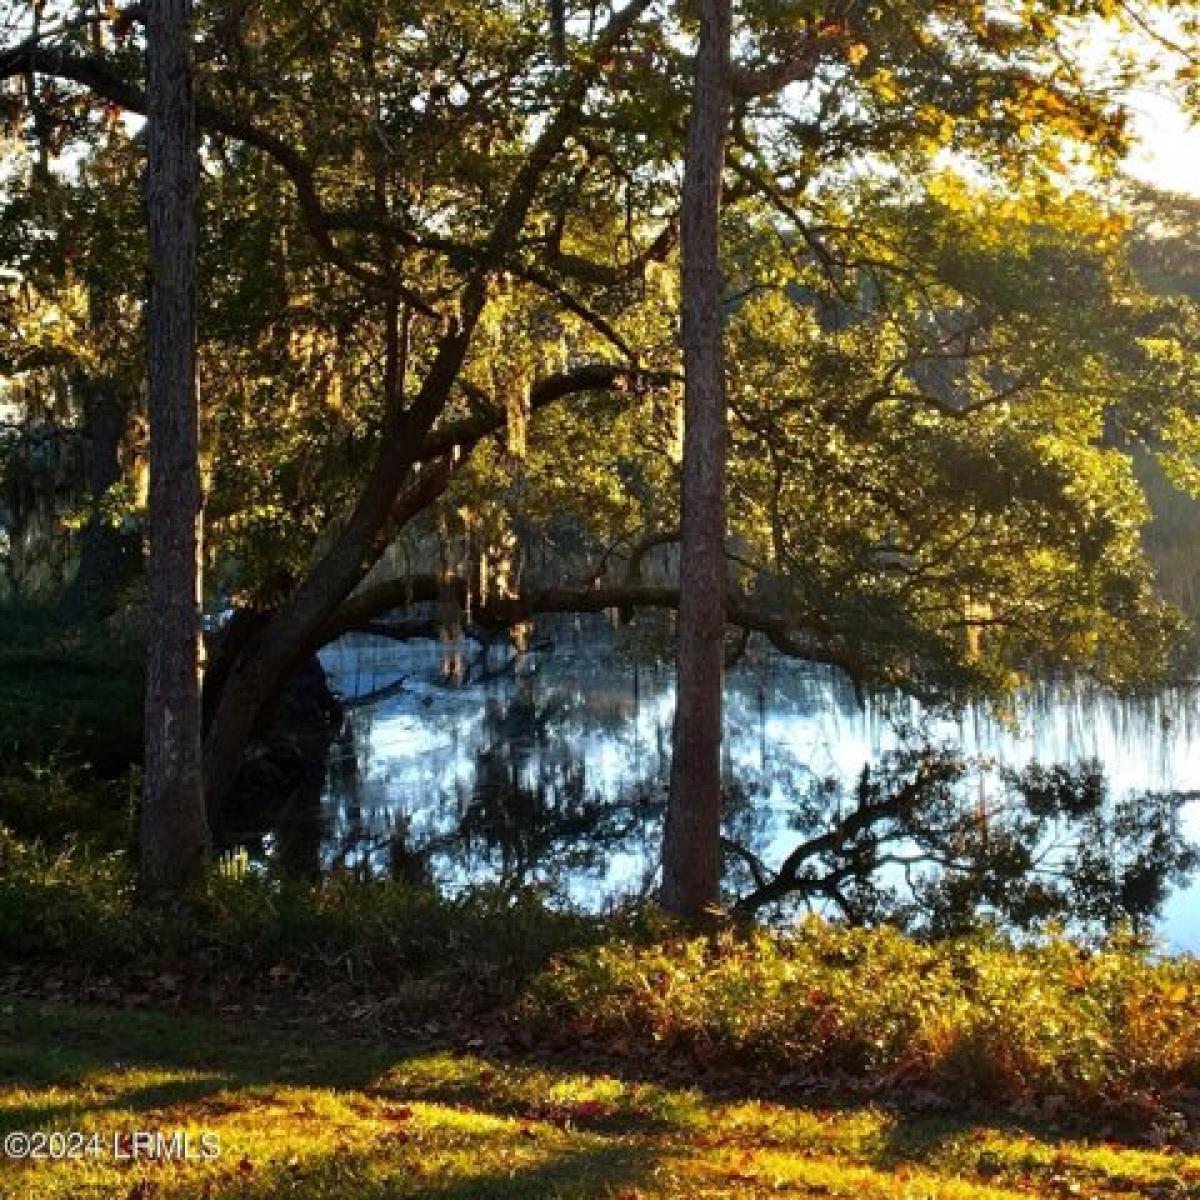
pixel 691 844
pixel 108 556
pixel 268 650
pixel 174 830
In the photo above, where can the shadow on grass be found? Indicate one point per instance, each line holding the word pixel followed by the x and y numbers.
pixel 609 1170
pixel 90 1051
pixel 137 1099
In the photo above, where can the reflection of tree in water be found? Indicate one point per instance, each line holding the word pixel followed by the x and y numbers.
pixel 932 841
pixel 530 812
pixel 754 798
pixel 557 775
pixel 914 841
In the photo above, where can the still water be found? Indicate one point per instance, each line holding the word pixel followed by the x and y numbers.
pixel 551 769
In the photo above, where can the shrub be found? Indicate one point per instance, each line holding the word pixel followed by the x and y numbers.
pixel 59 804
pixel 63 903
pixel 1114 1029
pixel 75 906
pixel 69 695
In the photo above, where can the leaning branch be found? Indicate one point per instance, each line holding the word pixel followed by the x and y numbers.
pixel 365 607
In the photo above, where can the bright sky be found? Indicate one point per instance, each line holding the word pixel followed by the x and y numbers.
pixel 1169 151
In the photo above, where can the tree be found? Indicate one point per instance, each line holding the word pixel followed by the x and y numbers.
pixel 174 830
pixel 103 238
pixel 72 326
pixel 375 363
pixel 691 841
pixel 1031 848
pixel 396 486
pixel 494 145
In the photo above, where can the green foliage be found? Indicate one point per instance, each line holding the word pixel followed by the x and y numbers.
pixel 376 934
pixel 70 729
pixel 933 323
pixel 1171 539
pixel 58 804
pixel 924 475
pixel 69 697
pixel 72 905
pixel 61 902
pixel 1108 1030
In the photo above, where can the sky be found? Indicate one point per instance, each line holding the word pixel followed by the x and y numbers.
pixel 1168 151
pixel 1167 141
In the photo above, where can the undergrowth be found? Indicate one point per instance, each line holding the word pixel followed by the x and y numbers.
pixel 1115 1029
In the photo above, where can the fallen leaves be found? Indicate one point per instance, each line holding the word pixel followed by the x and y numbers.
pixel 570 1113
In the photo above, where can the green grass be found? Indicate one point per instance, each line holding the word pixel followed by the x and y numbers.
pixel 345 1120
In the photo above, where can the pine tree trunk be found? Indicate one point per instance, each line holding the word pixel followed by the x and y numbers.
pixel 174 830
pixel 691 845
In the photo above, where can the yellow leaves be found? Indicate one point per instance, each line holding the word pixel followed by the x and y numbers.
pixel 334 394
pixel 662 280
pixel 940 124
pixel 51 328
pixel 1180 453
pixel 954 194
pixel 1175 994
pixel 856 53
pixel 885 85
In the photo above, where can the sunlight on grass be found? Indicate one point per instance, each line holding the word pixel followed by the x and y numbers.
pixel 349 1120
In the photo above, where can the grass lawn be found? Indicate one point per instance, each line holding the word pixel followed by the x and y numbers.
pixel 300 1117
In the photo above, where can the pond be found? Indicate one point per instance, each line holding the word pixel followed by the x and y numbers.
pixel 551 769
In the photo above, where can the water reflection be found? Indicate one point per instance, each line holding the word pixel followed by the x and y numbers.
pixel 554 772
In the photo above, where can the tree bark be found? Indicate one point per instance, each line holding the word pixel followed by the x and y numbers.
pixel 174 829
pixel 691 843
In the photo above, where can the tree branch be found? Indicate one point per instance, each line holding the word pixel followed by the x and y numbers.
pixel 465 432
pixel 503 612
